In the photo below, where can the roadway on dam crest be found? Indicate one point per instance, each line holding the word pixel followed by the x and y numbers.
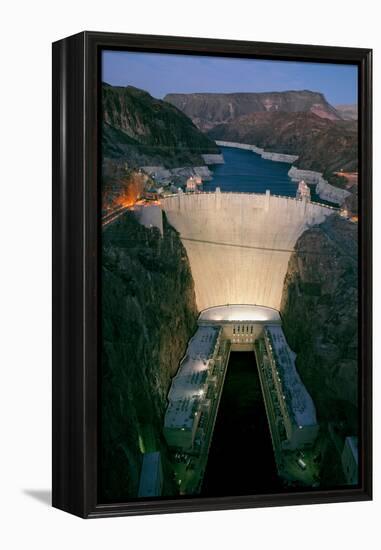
pixel 239 244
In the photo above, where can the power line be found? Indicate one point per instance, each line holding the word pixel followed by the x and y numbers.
pixel 127 241
pixel 269 249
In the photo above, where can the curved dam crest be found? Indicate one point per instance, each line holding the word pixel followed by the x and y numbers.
pixel 239 244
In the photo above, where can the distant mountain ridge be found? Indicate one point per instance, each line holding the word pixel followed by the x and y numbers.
pixel 139 129
pixel 347 111
pixel 323 145
pixel 210 109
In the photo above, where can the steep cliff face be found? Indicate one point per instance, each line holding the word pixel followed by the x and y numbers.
pixel 149 314
pixel 319 312
pixel 322 145
pixel 143 130
pixel 348 111
pixel 209 109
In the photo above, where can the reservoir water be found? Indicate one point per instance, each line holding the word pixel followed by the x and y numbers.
pixel 241 459
pixel 247 172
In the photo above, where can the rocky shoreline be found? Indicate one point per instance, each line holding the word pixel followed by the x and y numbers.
pixel 178 175
pixel 277 157
pixel 325 190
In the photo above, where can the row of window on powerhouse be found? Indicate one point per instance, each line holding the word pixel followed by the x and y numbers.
pixel 243 340
pixel 243 329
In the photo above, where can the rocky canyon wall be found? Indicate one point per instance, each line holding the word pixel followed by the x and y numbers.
pixel 319 312
pixel 149 313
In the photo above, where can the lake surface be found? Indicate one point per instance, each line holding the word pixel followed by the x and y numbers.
pixel 247 172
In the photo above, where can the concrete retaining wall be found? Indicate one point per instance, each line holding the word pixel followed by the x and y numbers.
pixel 279 157
pixel 150 216
pixel 213 159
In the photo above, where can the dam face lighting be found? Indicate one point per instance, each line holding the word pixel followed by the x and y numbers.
pixel 239 244
pixel 240 312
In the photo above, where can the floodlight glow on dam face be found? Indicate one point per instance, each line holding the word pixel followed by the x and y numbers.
pixel 239 244
pixel 240 312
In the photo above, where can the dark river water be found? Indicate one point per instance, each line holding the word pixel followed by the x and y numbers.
pixel 241 459
pixel 248 172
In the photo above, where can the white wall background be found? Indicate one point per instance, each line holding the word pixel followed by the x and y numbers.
pixel 27 29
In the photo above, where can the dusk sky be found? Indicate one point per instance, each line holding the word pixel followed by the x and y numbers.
pixel 160 74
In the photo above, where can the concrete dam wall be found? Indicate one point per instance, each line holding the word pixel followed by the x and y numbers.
pixel 239 244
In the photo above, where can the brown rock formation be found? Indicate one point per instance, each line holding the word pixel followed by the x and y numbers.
pixel 148 314
pixel 319 311
pixel 210 109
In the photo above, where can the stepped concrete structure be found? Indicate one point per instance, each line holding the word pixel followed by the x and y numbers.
pixel 239 244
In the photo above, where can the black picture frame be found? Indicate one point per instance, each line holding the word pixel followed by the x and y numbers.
pixel 76 207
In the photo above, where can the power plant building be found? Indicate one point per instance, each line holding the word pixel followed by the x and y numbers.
pixel 196 389
pixel 193 389
pixel 289 406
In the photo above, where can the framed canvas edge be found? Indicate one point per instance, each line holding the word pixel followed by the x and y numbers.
pixel 75 252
